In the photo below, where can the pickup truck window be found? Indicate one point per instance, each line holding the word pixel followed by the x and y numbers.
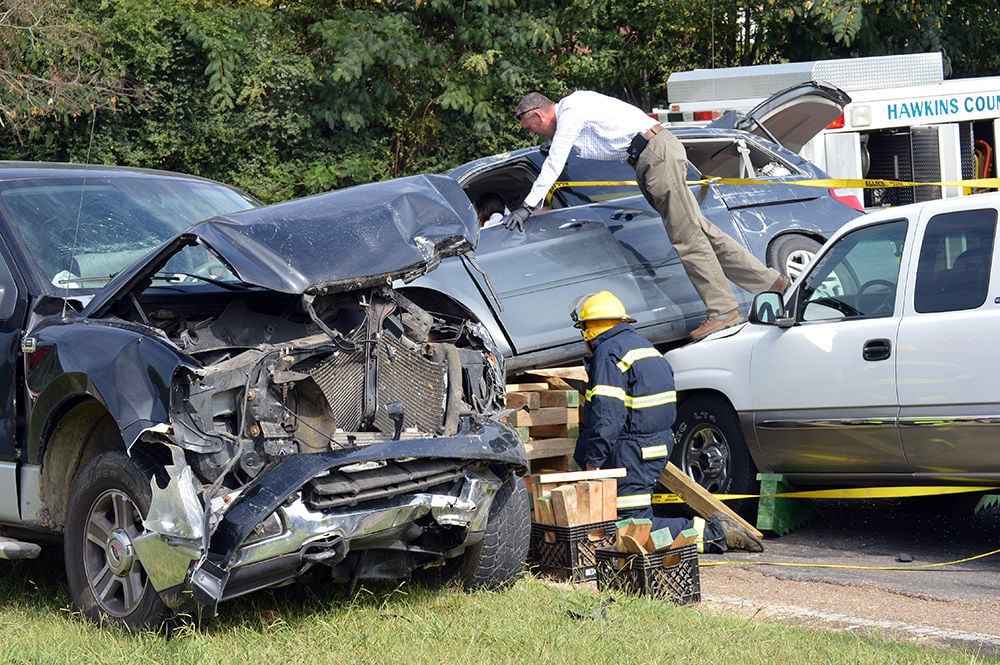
pixel 857 277
pixel 953 272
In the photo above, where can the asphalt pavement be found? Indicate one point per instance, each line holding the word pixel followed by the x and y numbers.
pixel 893 543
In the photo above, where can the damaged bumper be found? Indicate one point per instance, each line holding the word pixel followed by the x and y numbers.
pixel 420 501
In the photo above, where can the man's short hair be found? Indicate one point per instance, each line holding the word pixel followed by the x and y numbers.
pixel 531 101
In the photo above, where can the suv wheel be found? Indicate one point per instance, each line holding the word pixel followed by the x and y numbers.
pixel 107 581
pixel 710 448
pixel 790 254
pixel 497 560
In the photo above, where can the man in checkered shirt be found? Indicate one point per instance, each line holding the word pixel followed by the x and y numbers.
pixel 602 127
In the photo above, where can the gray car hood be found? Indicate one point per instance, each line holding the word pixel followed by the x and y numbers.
pixel 347 239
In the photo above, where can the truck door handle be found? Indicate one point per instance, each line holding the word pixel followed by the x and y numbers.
pixel 876 349
pixel 621 214
pixel 571 225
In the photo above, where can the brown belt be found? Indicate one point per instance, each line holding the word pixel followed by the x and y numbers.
pixel 648 134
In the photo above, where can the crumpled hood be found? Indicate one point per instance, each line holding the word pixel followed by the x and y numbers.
pixel 348 238
pixel 342 240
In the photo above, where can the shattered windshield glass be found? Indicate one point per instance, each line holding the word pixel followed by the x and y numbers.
pixel 79 231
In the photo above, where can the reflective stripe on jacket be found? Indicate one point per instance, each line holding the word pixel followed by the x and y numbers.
pixel 630 407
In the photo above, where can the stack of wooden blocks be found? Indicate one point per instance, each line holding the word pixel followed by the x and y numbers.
pixel 548 421
pixel 635 536
pixel 576 497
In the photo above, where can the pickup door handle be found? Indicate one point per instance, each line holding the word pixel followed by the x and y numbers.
pixel 621 214
pixel 876 349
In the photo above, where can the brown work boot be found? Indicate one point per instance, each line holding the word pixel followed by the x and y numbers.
pixel 714 323
pixel 737 537
pixel 780 284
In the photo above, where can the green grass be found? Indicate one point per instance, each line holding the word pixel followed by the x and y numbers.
pixel 403 623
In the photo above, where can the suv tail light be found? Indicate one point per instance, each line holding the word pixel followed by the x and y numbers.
pixel 847 197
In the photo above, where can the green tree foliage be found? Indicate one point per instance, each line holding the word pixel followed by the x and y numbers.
pixel 292 98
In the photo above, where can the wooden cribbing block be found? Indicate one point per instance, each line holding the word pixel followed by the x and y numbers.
pixel 517 400
pixel 592 489
pixel 543 510
pixel 700 499
pixel 526 387
pixel 557 431
pixel 537 448
pixel 609 488
pixel 685 537
pixel 554 464
pixel 629 545
pixel 660 539
pixel 564 506
pixel 635 530
pixel 552 415
pixel 780 515
pixel 573 476
pixel 563 398
pixel 582 502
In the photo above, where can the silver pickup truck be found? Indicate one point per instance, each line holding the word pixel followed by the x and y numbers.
pixel 878 366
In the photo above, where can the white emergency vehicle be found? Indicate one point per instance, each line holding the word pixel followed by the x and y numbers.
pixel 905 122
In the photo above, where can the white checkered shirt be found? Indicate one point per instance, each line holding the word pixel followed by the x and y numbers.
pixel 598 126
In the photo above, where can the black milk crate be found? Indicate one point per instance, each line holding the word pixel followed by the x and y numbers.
pixel 567 552
pixel 667 574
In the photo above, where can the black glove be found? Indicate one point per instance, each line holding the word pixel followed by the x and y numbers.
pixel 516 219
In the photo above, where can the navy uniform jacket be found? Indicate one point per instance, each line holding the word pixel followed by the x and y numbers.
pixel 630 408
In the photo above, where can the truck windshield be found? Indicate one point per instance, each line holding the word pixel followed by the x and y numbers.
pixel 79 231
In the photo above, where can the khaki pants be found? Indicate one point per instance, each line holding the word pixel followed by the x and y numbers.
pixel 710 257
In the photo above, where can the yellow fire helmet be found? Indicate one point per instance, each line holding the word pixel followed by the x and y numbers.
pixel 600 306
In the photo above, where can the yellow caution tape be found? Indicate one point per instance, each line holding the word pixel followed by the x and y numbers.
pixel 827 183
pixel 851 493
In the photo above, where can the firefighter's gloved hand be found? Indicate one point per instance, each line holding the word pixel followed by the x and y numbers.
pixel 516 219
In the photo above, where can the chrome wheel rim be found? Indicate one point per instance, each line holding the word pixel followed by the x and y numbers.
pixel 706 458
pixel 113 570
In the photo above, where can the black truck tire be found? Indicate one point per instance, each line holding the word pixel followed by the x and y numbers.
pixel 107 581
pixel 500 557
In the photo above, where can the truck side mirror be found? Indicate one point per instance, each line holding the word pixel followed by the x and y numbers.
pixel 768 309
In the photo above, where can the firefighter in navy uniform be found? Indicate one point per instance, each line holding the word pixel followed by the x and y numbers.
pixel 627 418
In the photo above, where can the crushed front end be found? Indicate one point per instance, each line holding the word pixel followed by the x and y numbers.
pixel 367 444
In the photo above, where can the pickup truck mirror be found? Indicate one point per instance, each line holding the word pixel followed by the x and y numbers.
pixel 768 309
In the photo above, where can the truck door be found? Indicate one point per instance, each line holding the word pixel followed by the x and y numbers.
pixel 948 361
pixel 12 313
pixel 824 390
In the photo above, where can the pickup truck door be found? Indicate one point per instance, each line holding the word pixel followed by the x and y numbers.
pixel 948 360
pixel 824 390
pixel 12 315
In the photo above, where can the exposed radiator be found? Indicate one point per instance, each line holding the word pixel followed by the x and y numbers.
pixel 416 382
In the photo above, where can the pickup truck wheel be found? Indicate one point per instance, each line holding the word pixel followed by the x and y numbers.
pixel 496 561
pixel 789 254
pixel 710 448
pixel 107 581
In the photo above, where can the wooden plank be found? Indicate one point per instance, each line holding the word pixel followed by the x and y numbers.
pixel 583 501
pixel 609 488
pixel 574 476
pixel 526 387
pixel 547 465
pixel 564 508
pixel 576 373
pixel 543 510
pixel 536 448
pixel 660 539
pixel 564 398
pixel 685 537
pixel 595 501
pixel 560 431
pixel 552 415
pixel 700 499
pixel 516 400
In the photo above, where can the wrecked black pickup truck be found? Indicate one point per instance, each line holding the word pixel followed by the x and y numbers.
pixel 202 409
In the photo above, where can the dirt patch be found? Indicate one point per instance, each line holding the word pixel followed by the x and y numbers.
pixel 969 625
